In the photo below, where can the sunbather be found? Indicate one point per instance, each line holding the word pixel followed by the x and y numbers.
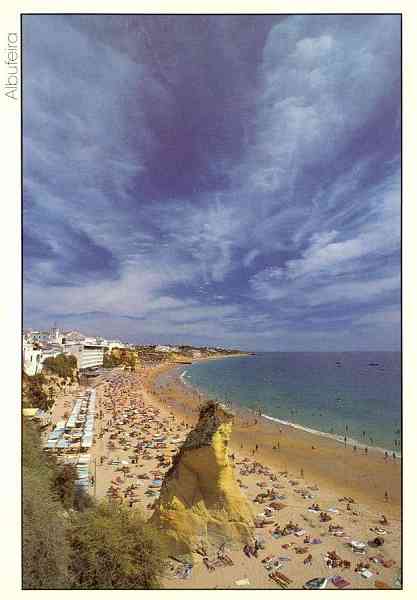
pixel 324 517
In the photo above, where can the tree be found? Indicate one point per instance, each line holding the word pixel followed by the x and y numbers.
pixel 35 394
pixel 110 360
pixel 62 365
pixel 114 548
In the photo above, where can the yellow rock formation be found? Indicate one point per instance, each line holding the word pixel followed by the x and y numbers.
pixel 200 501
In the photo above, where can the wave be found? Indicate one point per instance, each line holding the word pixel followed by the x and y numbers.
pixel 184 379
pixel 332 436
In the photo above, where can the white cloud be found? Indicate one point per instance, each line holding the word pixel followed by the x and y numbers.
pixel 353 291
pixel 317 93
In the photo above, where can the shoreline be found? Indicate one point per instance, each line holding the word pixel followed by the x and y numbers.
pixel 365 476
pixel 339 438
pixel 137 411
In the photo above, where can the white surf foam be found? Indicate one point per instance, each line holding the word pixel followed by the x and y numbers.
pixel 337 438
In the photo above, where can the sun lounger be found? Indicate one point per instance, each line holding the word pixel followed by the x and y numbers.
pixel 277 580
pixel 284 578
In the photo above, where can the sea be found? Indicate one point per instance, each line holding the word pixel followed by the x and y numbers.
pixel 356 395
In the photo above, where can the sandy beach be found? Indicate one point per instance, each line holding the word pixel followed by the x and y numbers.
pixel 143 420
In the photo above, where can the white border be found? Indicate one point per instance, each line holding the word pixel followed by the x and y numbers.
pixel 11 278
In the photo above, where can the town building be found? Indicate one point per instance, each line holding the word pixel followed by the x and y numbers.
pixel 88 354
pixel 32 359
pixel 166 349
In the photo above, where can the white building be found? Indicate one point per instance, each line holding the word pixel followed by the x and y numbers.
pixel 113 344
pixel 166 349
pixel 32 359
pixel 55 336
pixel 72 336
pixel 88 354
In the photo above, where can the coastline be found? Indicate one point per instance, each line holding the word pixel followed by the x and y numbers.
pixel 364 476
pixel 350 441
pixel 329 475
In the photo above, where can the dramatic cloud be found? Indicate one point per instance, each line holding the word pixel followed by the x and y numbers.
pixel 214 179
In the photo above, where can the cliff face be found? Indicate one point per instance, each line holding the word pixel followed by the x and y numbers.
pixel 200 500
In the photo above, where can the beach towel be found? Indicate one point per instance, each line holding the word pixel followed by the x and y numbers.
pixel 318 583
pixel 366 573
pixel 300 533
pixel 242 582
pixel 381 585
pixel 358 546
pixel 340 582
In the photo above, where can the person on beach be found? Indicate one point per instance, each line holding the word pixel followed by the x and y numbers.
pixel 386 496
pixel 366 450
pixel 354 448
pixel 345 441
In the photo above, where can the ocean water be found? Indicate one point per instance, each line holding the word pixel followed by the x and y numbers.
pixel 334 393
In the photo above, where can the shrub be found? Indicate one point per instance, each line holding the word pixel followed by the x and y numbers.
pixel 63 485
pixel 114 548
pixel 45 547
pixel 35 394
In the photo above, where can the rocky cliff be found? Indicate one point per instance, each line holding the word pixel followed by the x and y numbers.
pixel 200 502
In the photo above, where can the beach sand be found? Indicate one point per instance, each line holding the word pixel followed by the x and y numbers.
pixel 333 471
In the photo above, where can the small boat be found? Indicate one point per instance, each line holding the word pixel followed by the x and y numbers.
pixel 372 364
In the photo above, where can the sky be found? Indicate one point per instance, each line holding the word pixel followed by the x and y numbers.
pixel 214 180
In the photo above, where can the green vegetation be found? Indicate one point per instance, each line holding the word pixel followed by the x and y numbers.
pixel 69 542
pixel 110 360
pixel 120 357
pixel 46 550
pixel 34 392
pixel 63 365
pixel 113 548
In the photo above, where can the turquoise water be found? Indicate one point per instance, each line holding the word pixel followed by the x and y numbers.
pixel 335 393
